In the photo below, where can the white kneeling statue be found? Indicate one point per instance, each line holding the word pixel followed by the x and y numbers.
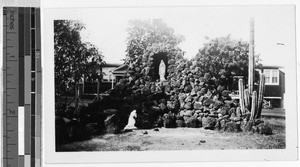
pixel 131 121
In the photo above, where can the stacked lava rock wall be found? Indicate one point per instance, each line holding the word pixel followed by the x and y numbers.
pixel 187 97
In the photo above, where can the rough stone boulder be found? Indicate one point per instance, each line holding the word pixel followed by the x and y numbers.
pixel 208 102
pixel 217 104
pixel 159 121
pixel 247 125
pixel 145 120
pixel 188 113
pixel 170 106
pixel 223 110
pixel 209 122
pixel 112 124
pixel 187 88
pixel 200 120
pixel 232 111
pixel 264 129
pixel 93 128
pixel 169 121
pixel 110 111
pixel 198 105
pixel 156 109
pixel 220 88
pixel 162 107
pixel 188 105
pixel 188 99
pixel 192 123
pixel 232 127
pixel 182 96
pixel 60 130
pixel 180 123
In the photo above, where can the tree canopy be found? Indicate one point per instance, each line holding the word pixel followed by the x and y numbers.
pixel 144 34
pixel 74 59
pixel 224 58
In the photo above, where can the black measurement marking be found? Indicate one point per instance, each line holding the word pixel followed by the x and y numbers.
pixel 11 88
pixel 12 116
pixel 11 111
pixel 8 46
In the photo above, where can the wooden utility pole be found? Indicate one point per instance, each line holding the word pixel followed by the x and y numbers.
pixel 98 89
pixel 251 70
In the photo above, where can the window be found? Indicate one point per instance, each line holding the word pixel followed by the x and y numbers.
pixel 267 76
pixel 271 77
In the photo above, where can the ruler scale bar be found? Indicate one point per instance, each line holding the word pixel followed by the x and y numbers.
pixel 33 85
pixel 11 98
pixel 38 89
pixel 4 118
pixel 22 87
pixel 27 84
pixel 21 57
pixel 21 116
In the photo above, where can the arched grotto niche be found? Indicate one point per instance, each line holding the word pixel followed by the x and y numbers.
pixel 155 66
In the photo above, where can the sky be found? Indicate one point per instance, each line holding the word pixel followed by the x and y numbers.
pixel 274 28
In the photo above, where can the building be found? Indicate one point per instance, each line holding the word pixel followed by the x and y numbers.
pixel 108 80
pixel 119 72
pixel 274 85
pixel 107 72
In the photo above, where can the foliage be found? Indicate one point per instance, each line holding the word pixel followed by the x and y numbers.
pixel 74 59
pixel 224 58
pixel 147 39
pixel 145 33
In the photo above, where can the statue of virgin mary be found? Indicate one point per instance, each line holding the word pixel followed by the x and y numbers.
pixel 162 71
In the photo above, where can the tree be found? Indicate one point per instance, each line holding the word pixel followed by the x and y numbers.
pixel 147 38
pixel 145 33
pixel 74 59
pixel 224 58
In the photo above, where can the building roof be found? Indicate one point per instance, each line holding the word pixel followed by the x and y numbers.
pixel 270 67
pixel 121 69
pixel 111 65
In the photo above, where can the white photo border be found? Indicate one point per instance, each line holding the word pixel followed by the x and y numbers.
pixel 49 14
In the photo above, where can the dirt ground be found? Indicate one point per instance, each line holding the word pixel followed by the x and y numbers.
pixel 183 139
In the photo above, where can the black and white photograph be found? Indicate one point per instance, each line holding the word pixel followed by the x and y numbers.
pixel 172 78
pixel 149 83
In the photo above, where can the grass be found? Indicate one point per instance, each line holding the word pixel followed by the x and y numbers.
pixel 278 139
pixel 184 139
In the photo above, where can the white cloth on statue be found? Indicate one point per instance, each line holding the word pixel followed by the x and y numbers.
pixel 162 70
pixel 131 121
